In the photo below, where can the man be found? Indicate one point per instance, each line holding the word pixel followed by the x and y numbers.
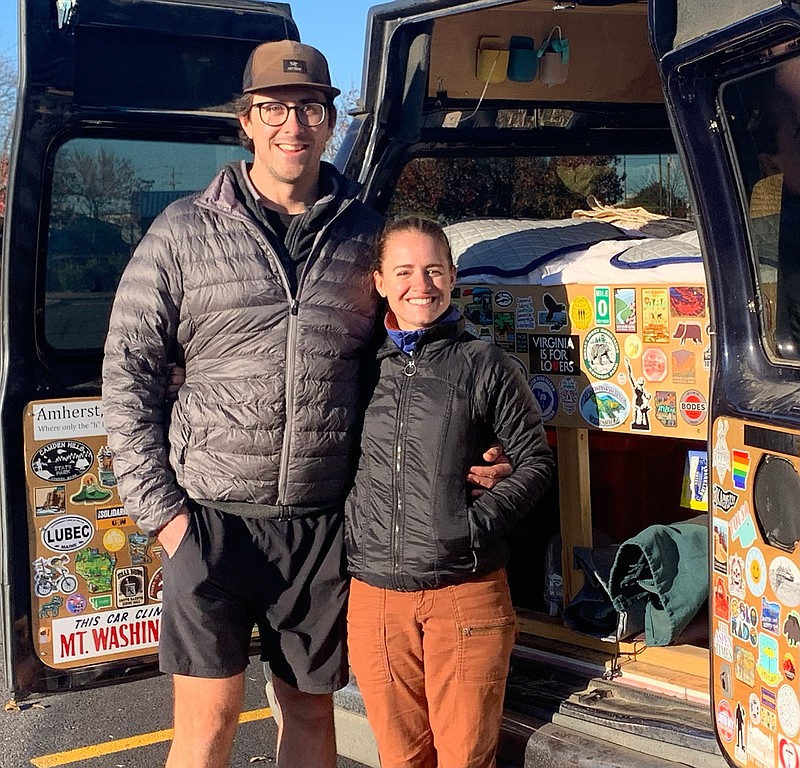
pixel 259 285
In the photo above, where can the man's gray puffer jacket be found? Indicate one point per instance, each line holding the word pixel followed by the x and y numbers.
pixel 267 411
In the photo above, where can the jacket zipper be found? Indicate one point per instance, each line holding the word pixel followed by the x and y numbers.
pixel 291 334
pixel 409 370
pixel 291 359
pixel 291 352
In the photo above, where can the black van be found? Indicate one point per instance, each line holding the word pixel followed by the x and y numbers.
pixel 617 182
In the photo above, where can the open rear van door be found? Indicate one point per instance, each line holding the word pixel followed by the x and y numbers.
pixel 124 106
pixel 731 73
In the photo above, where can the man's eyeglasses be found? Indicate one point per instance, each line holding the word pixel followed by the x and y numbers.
pixel 275 113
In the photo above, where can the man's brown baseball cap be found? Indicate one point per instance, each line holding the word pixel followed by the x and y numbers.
pixel 286 62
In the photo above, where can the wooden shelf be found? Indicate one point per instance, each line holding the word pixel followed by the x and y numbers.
pixel 677 670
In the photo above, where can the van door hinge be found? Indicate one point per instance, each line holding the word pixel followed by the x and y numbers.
pixel 65 12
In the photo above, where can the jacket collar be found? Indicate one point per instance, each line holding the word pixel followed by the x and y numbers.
pixel 222 192
pixel 439 335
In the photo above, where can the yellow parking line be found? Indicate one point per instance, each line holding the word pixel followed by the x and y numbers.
pixel 123 745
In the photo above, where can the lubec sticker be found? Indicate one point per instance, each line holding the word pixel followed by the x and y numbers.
pixel 67 533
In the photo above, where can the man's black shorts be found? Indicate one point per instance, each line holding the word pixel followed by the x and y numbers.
pixel 230 573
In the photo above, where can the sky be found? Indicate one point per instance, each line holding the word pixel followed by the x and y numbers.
pixel 338 29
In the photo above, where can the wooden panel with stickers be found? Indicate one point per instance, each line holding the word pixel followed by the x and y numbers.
pixel 755 593
pixel 96 578
pixel 633 358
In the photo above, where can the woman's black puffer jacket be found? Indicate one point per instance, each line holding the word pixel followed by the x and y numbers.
pixel 411 521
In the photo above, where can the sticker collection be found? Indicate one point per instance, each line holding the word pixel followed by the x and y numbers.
pixel 755 615
pixel 96 578
pixel 635 358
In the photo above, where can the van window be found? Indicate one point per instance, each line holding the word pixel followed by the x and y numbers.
pixel 762 113
pixel 105 194
pixel 457 187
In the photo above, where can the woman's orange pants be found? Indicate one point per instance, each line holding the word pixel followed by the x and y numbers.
pixel 432 667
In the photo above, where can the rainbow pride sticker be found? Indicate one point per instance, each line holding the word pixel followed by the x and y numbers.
pixel 741 468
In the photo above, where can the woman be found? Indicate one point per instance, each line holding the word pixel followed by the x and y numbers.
pixel 430 620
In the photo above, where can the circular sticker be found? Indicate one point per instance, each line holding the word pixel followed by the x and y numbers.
pixel 787 752
pixel 784 578
pixel 788 711
pixel 519 365
pixel 113 540
pixel 654 364
pixel 601 353
pixel 693 407
pixel 503 299
pixel 76 603
pixel 633 346
pixel 755 570
pixel 61 461
pixel 580 312
pixel 568 395
pixel 725 721
pixel 545 392
pixel 67 533
pixel 155 589
pixel 605 405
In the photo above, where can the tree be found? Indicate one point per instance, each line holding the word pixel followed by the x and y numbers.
pixel 99 185
pixel 94 219
pixel 454 188
pixel 662 189
pixel 346 103
pixel 8 97
pixel 658 198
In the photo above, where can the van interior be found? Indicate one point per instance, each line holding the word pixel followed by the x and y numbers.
pixel 534 114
